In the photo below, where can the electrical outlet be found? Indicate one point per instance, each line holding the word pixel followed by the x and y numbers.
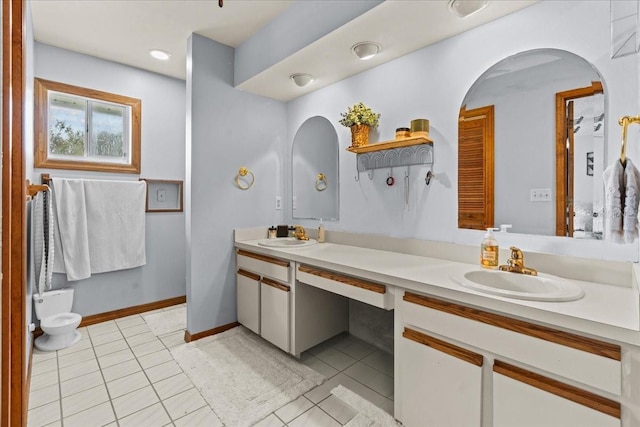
pixel 540 195
pixel 294 203
pixel 278 203
pixel 162 195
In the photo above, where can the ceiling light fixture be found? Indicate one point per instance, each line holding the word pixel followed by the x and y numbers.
pixel 366 50
pixel 160 54
pixel 301 79
pixel 464 8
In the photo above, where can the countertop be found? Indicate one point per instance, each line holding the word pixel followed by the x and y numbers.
pixel 606 311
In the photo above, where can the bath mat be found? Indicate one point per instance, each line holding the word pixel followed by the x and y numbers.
pixel 167 321
pixel 369 415
pixel 242 376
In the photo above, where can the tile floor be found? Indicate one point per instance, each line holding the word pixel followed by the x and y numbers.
pixel 120 374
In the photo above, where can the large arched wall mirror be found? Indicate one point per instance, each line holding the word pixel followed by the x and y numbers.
pixel 531 146
pixel 315 170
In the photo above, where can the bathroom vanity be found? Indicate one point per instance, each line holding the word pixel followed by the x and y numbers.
pixel 462 357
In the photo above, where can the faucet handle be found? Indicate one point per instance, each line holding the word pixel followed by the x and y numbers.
pixel 516 253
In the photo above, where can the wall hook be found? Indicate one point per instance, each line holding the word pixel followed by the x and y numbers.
pixel 427 179
pixel 370 174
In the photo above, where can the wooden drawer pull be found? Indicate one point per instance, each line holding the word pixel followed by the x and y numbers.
pixel 248 274
pixel 275 284
pixel 558 388
pixel 264 258
pixel 443 346
pixel 578 342
pixel 352 281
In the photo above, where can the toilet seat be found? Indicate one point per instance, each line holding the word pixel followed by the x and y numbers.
pixel 60 320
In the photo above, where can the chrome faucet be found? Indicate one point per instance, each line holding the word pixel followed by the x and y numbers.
pixel 515 264
pixel 300 233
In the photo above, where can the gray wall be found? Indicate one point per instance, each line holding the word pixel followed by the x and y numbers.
pixel 163 151
pixel 227 129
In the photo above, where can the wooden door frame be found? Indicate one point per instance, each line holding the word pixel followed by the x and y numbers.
pixel 561 152
pixel 13 410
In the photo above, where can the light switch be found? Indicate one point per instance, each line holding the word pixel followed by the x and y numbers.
pixel 162 195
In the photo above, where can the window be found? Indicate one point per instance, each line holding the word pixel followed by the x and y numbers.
pixel 85 129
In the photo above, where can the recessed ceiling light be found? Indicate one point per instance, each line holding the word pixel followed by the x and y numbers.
pixel 464 8
pixel 301 79
pixel 366 50
pixel 160 54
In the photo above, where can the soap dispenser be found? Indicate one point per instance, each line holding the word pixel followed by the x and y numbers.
pixel 489 250
pixel 321 232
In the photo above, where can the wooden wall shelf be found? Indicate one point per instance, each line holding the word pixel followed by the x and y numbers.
pixel 386 145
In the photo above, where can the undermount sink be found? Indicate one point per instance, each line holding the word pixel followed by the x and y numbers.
pixel 286 242
pixel 543 287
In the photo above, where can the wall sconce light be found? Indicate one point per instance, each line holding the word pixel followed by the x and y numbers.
pixel 366 50
pixel 464 8
pixel 160 54
pixel 301 79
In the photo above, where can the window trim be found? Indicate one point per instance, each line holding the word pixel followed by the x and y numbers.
pixel 41 137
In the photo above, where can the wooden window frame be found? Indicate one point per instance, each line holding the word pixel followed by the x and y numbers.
pixel 41 158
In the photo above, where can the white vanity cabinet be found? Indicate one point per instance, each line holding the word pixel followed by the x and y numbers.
pixel 263 287
pixel 532 375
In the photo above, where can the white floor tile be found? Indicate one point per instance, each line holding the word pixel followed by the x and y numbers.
pixel 338 410
pixel 173 339
pixel 43 415
pixel 135 330
pixel 162 371
pixel 319 366
pixel 127 384
pixel 110 347
pixel 314 417
pixel 184 403
pixel 335 358
pixel 134 401
pixel 201 417
pixel 102 328
pixel 121 370
pixel 39 356
pixel 380 361
pixel 141 339
pixel 153 416
pixel 42 366
pixel 97 416
pixel 270 421
pixel 83 344
pixel 106 338
pixel 81 383
pixel 43 380
pixel 153 359
pixel 173 385
pixel 129 321
pixel 76 357
pixel 357 349
pixel 87 399
pixel 55 424
pixel 78 370
pixel 292 409
pixel 148 348
pixel 112 359
pixel 44 396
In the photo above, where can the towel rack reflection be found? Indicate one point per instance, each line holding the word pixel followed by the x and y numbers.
pixel 321 182
pixel 625 121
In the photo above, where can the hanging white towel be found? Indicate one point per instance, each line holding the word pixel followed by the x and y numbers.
pixel 101 226
pixel 630 213
pixel 613 201
pixel 71 218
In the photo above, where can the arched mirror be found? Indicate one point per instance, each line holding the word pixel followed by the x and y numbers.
pixel 531 146
pixel 314 161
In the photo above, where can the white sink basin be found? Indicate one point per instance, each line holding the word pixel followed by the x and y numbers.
pixel 287 242
pixel 543 287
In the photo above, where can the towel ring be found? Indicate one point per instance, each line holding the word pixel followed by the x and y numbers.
pixel 243 172
pixel 321 182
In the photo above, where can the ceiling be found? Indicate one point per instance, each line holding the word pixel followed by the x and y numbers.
pixel 124 31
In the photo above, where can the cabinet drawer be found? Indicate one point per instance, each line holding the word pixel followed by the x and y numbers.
pixel 527 399
pixel 371 293
pixel 274 313
pixel 582 359
pixel 248 299
pixel 264 265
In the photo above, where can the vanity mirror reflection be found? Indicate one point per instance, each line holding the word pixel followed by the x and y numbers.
pixel 314 162
pixel 531 146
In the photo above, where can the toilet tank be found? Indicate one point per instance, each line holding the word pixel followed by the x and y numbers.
pixel 53 302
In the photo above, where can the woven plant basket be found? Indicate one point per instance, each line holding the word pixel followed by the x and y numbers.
pixel 359 135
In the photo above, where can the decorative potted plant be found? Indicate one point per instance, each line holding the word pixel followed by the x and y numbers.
pixel 360 119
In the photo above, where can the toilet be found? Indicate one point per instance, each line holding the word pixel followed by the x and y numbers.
pixel 53 309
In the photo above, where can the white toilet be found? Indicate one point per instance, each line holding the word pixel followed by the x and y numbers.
pixel 53 309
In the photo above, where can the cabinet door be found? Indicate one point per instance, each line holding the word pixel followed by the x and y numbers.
pixel 248 299
pixel 525 399
pixel 441 383
pixel 274 313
